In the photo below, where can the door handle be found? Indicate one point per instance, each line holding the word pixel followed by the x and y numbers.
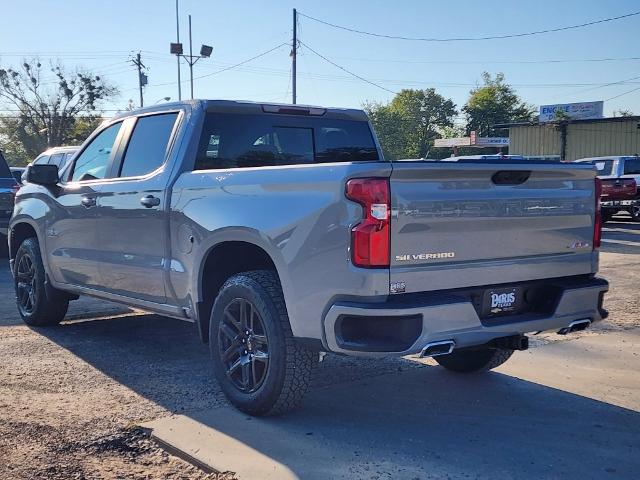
pixel 150 201
pixel 88 202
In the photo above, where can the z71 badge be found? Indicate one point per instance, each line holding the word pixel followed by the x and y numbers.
pixel 424 256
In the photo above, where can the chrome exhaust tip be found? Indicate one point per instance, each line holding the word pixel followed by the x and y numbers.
pixel 437 348
pixel 575 326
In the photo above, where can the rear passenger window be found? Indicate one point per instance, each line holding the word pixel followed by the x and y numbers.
pixel 632 166
pixel 148 145
pixel 237 140
pixel 352 144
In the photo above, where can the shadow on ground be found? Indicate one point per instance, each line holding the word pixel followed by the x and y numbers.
pixel 621 235
pixel 85 307
pixel 376 419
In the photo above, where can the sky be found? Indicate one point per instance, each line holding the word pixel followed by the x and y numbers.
pixel 102 36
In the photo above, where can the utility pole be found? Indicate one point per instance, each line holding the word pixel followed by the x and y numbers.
pixel 177 57
pixel 142 78
pixel 293 56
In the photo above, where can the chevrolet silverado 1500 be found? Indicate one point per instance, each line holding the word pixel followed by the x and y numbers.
pixel 282 232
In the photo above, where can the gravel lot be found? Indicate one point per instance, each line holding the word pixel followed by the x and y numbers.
pixel 70 397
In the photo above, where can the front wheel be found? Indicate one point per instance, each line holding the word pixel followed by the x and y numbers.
pixel 260 368
pixel 35 307
pixel 474 360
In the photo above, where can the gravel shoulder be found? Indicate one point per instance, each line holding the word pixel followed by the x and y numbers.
pixel 70 397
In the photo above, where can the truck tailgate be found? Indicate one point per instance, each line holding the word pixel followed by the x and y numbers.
pixel 465 224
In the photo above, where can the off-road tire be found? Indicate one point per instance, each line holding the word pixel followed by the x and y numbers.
pixel 290 365
pixel 44 310
pixel 475 360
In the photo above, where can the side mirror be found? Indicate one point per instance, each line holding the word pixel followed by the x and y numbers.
pixel 46 175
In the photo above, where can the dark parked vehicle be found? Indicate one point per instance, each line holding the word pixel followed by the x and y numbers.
pixel 620 177
pixel 8 188
pixel 17 173
pixel 282 232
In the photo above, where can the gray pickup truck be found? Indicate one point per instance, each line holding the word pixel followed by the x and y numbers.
pixel 282 232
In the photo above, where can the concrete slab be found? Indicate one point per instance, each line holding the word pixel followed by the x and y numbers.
pixel 603 366
pixel 565 410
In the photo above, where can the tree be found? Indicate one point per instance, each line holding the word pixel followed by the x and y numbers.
pixel 493 103
pixel 622 113
pixel 388 127
pixel 408 125
pixel 49 111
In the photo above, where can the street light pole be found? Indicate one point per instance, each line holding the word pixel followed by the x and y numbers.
pixel 177 49
pixel 191 57
pixel 178 57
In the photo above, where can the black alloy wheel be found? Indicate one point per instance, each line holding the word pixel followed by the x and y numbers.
pixel 26 286
pixel 243 345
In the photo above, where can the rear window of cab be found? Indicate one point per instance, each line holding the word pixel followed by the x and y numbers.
pixel 231 140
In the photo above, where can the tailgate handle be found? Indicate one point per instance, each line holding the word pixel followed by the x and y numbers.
pixel 511 177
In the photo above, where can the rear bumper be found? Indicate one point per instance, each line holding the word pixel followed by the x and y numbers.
pixel 618 204
pixel 404 324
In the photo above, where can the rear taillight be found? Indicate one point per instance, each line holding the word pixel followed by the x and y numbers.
pixel 629 184
pixel 371 237
pixel 619 189
pixel 597 227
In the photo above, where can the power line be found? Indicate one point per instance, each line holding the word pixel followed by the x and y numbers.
pixel 485 62
pixel 345 70
pixel 622 94
pixel 470 39
pixel 580 92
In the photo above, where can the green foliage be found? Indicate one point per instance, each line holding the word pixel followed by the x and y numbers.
pixel 50 112
pixel 408 125
pixel 493 103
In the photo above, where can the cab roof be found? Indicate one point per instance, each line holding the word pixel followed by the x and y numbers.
pixel 247 107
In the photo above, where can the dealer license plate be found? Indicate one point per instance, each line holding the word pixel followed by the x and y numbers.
pixel 502 301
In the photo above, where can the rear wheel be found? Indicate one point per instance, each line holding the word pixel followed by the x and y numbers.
pixel 474 360
pixel 260 368
pixel 635 213
pixel 35 307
